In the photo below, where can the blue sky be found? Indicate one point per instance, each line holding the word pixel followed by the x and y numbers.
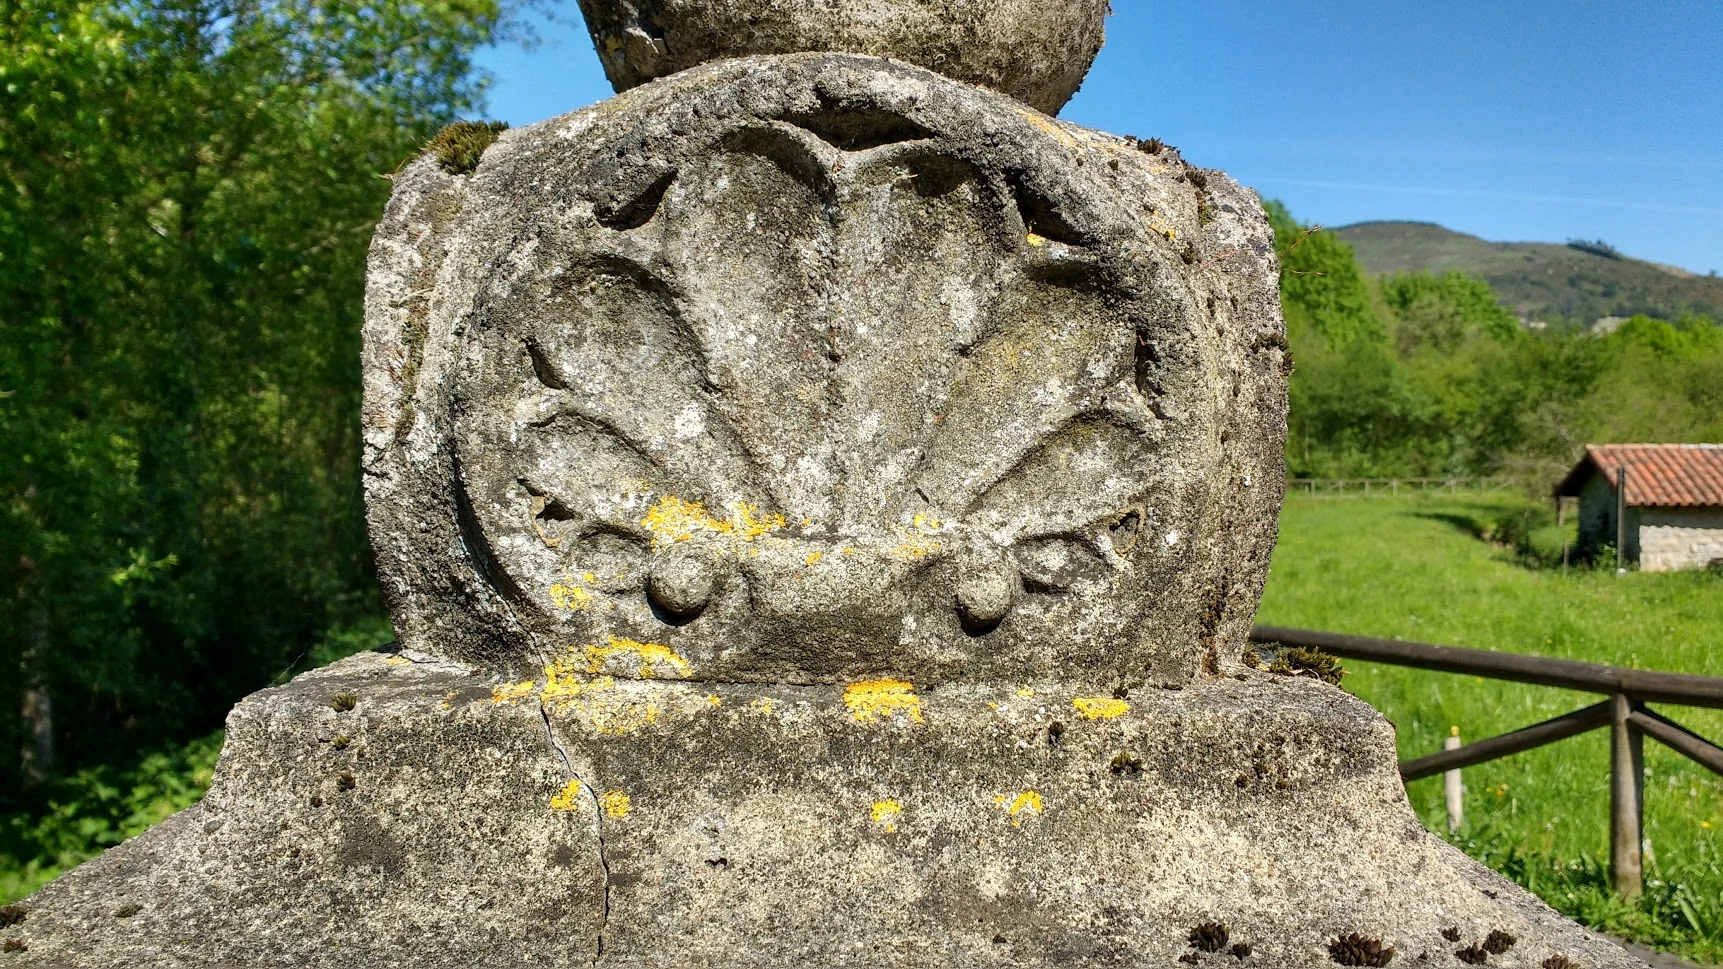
pixel 1537 120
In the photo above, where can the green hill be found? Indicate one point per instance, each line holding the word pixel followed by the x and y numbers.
pixel 1539 280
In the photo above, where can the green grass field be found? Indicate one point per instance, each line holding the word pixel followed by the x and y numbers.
pixel 1415 568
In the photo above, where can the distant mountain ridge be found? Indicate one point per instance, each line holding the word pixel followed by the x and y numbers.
pixel 1539 280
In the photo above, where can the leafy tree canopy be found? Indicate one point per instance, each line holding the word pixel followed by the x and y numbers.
pixel 1417 375
pixel 187 191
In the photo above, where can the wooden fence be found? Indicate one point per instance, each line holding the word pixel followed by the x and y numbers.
pixel 1624 712
pixel 1392 486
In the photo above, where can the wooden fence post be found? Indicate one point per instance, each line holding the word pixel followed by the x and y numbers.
pixel 1626 799
pixel 1621 520
pixel 1453 787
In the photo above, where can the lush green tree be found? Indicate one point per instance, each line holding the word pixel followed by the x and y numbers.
pixel 1422 375
pixel 1323 289
pixel 1441 313
pixel 1353 412
pixel 187 196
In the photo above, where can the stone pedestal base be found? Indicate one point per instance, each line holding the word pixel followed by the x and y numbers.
pixel 445 820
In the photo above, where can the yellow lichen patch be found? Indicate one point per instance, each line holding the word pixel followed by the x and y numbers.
pixel 1026 693
pixel 653 659
pixel 568 799
pixel 621 719
pixel 814 557
pixel 750 524
pixel 1051 127
pixel 396 661
pixel 886 814
pixel 570 690
pixel 1028 803
pixel 601 705
pixel 882 700
pixel 615 804
pixel 565 595
pixel 1037 241
pixel 762 704
pixel 914 549
pixel 1100 707
pixel 715 700
pixel 918 542
pixel 513 693
pixel 566 679
pixel 1163 228
pixel 674 520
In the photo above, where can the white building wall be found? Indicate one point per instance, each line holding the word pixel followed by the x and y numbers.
pixel 1679 538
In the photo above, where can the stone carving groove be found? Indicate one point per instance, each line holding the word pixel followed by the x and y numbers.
pixel 849 428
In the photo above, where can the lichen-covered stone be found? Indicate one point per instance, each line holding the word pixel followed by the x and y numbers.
pixel 1034 50
pixel 1027 825
pixel 818 368
pixel 412 830
pixel 822 505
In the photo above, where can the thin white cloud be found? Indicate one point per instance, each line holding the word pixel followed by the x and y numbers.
pixel 1471 193
pixel 1301 148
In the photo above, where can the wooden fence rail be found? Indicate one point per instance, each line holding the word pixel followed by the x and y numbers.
pixel 1624 712
pixel 1385 486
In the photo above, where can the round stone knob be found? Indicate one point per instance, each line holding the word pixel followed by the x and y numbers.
pixel 682 583
pixel 986 591
pixel 1033 50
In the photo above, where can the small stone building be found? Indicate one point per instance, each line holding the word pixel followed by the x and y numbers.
pixel 1674 502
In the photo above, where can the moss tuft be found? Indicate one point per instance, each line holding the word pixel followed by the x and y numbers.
pixel 1241 951
pixel 341 742
pixel 1451 933
pixel 1472 955
pixel 1353 949
pixel 13 945
pixel 1560 962
pixel 1498 942
pixel 343 702
pixel 11 915
pixel 346 782
pixel 1252 658
pixel 1308 662
pixel 459 147
pixel 1209 937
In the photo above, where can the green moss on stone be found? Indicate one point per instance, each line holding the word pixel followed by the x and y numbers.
pixel 459 147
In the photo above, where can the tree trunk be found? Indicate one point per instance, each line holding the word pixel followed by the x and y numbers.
pixel 36 759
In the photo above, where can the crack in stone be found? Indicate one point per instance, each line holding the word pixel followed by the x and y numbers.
pixel 597 822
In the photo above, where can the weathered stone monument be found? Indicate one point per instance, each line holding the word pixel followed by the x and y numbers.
pixel 822 500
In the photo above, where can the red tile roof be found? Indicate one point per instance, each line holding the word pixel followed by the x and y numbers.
pixel 1658 475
